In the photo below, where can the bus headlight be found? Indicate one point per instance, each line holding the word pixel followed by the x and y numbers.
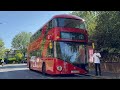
pixel 59 68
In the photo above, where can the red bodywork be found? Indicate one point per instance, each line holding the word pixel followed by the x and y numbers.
pixel 53 63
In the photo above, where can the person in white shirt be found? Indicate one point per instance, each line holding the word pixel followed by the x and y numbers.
pixel 96 60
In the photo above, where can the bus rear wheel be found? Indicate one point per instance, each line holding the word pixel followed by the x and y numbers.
pixel 43 69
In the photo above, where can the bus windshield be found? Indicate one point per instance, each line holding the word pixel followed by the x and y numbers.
pixel 71 52
pixel 71 23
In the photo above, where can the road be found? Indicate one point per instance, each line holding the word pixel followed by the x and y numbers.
pixel 20 71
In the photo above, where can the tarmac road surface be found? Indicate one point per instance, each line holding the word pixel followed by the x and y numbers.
pixel 20 71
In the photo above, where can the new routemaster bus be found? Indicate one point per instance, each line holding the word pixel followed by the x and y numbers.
pixel 59 47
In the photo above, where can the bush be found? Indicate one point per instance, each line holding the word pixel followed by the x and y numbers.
pixel 11 60
pixel 19 56
pixel 0 60
pixel 110 57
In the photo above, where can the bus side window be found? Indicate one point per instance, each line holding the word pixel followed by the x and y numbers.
pixel 51 24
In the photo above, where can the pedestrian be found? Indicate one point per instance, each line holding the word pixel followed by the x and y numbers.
pixel 2 61
pixel 96 60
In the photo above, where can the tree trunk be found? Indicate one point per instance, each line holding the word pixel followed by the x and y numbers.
pixel 24 54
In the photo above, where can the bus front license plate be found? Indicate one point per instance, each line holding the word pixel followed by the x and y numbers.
pixel 74 71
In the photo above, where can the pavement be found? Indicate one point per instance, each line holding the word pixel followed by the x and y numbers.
pixel 105 75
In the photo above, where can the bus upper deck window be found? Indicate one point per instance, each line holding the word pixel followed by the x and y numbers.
pixel 54 23
pixel 71 23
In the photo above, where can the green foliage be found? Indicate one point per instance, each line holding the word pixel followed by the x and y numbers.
pixel 1 43
pixel 6 53
pixel 2 48
pixel 19 56
pixel 1 59
pixel 107 31
pixel 20 41
pixel 11 60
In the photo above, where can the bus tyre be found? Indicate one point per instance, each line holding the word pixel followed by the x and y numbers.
pixel 43 69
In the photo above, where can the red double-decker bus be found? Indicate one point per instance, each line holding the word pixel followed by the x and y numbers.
pixel 60 47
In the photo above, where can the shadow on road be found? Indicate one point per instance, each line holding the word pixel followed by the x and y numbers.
pixel 61 76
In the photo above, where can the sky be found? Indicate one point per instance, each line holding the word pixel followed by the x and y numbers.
pixel 14 22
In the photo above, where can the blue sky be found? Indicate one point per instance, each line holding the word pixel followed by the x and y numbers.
pixel 14 22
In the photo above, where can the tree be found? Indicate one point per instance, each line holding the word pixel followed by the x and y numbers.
pixel 20 41
pixel 1 43
pixel 90 19
pixel 2 48
pixel 7 53
pixel 18 55
pixel 107 31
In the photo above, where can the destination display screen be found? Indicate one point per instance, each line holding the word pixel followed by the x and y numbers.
pixel 72 36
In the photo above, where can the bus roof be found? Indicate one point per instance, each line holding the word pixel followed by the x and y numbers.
pixel 61 16
pixel 67 16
